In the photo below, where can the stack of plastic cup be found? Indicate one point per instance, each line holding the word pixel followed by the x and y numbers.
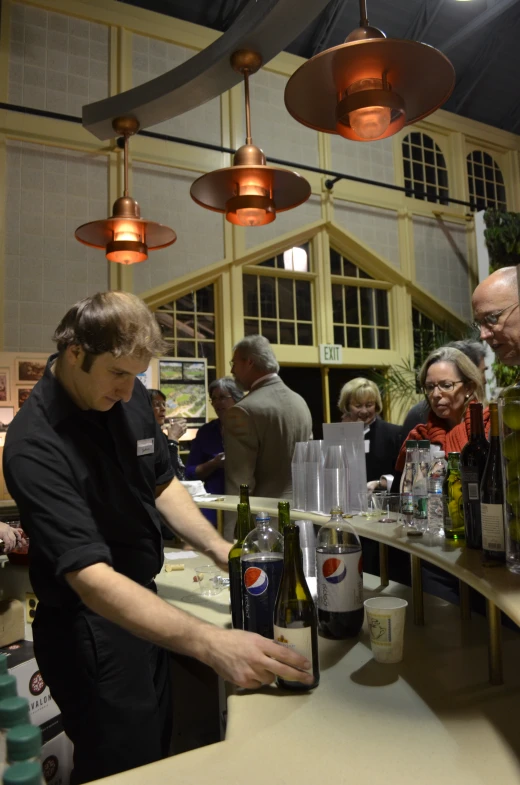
pixel 335 479
pixel 314 476
pixel 298 469
pixel 308 546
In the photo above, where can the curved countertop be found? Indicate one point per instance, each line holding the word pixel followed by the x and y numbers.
pixel 496 583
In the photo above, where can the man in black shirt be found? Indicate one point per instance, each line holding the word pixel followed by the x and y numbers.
pixel 87 465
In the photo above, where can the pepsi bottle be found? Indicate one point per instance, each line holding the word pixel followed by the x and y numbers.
pixel 242 529
pixel 295 622
pixel 262 566
pixel 339 568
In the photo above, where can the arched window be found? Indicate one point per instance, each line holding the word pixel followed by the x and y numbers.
pixel 359 310
pixel 188 326
pixel 425 168
pixel 485 181
pixel 277 303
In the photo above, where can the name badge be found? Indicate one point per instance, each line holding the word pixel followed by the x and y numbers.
pixel 145 446
pixel 367 445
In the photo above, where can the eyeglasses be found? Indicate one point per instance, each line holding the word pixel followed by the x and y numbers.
pixel 491 319
pixel 446 386
pixel 221 398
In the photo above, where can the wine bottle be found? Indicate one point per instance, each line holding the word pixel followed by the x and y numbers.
pixel 453 512
pixel 284 516
pixel 242 529
pixel 492 497
pixel 295 621
pixel 244 499
pixel 472 462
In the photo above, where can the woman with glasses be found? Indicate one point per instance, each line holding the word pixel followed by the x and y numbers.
pixel 206 458
pixel 176 429
pixel 450 380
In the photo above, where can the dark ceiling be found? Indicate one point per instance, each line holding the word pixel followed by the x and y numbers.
pixel 480 37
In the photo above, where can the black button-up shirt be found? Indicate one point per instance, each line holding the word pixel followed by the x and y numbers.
pixel 84 494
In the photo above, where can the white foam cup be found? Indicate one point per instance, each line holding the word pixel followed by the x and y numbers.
pixel 385 619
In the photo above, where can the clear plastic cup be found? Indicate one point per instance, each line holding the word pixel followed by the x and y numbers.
pixel 335 479
pixel 314 476
pixel 391 509
pixel 298 470
pixel 211 580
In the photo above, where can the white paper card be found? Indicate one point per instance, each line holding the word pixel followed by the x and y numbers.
pixel 180 556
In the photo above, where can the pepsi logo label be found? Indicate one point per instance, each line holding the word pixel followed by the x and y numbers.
pixel 334 570
pixel 255 581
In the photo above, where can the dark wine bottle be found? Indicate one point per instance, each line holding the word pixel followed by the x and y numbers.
pixel 492 497
pixel 284 516
pixel 242 529
pixel 472 463
pixel 295 620
pixel 244 499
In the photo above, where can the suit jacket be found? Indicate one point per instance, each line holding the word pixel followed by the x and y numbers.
pixel 385 442
pixel 259 437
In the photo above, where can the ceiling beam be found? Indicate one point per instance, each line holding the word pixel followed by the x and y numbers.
pixel 478 23
pixel 266 27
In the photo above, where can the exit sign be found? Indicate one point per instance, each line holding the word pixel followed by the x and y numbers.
pixel 330 353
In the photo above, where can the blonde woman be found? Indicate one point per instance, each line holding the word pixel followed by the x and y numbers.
pixel 360 401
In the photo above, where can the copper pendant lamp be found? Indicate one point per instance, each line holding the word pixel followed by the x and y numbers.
pixel 125 236
pixel 250 193
pixel 369 87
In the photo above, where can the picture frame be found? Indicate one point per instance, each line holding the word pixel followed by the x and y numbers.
pixel 6 416
pixel 22 393
pixel 5 386
pixel 29 371
pixel 184 384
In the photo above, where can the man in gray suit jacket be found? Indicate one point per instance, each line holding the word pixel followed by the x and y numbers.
pixel 261 430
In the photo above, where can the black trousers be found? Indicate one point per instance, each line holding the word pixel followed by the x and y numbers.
pixel 112 688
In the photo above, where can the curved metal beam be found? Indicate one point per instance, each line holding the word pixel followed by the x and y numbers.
pixel 266 27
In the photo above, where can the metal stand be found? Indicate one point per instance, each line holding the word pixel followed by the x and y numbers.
pixel 464 596
pixel 383 564
pixel 496 676
pixel 417 591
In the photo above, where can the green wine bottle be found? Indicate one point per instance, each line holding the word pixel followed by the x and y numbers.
pixel 244 499
pixel 284 516
pixel 242 529
pixel 295 620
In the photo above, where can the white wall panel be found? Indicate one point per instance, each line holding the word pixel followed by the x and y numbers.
pixel 49 192
pixel 376 227
pixel 164 196
pixel 151 58
pixel 288 221
pixel 56 62
pixel 441 263
pixel 373 160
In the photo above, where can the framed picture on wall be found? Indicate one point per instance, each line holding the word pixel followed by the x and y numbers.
pixel 30 370
pixel 5 389
pixel 22 394
pixel 6 416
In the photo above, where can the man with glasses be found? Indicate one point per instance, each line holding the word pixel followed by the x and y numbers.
pixel 497 316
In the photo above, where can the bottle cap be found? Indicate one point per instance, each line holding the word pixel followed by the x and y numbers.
pixel 336 511
pixel 7 686
pixel 28 773
pixel 3 664
pixel 262 516
pixel 411 443
pixel 13 711
pixel 24 742
pixel 453 453
pixel 424 444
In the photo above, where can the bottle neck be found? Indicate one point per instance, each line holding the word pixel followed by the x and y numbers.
pixel 291 551
pixel 476 421
pixel 284 518
pixel 493 418
pixel 243 522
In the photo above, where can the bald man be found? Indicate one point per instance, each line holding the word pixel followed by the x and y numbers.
pixel 496 312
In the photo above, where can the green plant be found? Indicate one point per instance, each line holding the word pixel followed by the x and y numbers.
pixel 502 235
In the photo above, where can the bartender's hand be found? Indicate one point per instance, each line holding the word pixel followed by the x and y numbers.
pixel 251 661
pixel 176 429
pixel 11 536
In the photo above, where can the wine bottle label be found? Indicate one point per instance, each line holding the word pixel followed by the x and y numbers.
pixel 340 581
pixel 493 538
pixel 470 484
pixel 297 638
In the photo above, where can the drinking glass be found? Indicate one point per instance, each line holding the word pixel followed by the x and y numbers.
pixel 391 508
pixel 371 504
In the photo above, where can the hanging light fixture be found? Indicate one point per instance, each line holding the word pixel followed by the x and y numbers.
pixel 125 236
pixel 369 87
pixel 250 193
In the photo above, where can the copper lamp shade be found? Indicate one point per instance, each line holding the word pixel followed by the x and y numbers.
pixel 369 87
pixel 250 193
pixel 125 236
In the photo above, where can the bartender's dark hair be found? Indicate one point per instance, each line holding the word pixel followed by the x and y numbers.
pixel 116 322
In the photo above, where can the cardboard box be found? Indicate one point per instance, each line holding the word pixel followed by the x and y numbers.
pixel 30 685
pixel 57 752
pixel 12 622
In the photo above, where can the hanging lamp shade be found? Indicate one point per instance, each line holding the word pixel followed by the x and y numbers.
pixel 369 87
pixel 250 192
pixel 125 236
